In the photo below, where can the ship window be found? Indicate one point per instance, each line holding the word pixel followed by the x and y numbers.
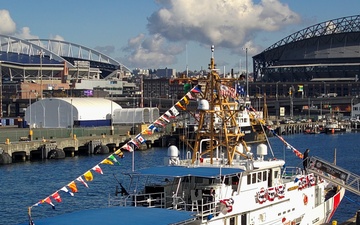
pixel 253 181
pixel 264 175
pixel 276 173
pixel 232 221
pixel 249 179
pixel 259 176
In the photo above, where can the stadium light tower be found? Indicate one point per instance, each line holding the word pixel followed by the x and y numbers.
pixel 41 54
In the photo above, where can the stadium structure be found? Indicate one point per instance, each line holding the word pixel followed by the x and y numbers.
pixel 37 68
pixel 326 50
pixel 320 59
pixel 21 60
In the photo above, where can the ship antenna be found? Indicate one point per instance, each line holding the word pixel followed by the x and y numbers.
pixel 212 51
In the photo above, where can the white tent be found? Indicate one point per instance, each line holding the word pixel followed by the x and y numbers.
pixel 135 115
pixel 62 112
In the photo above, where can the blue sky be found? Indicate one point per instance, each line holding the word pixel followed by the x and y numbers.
pixel 176 34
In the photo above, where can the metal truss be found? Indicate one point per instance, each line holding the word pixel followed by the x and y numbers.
pixel 333 41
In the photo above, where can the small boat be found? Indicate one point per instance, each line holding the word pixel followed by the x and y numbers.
pixel 334 126
pixel 221 179
pixel 312 130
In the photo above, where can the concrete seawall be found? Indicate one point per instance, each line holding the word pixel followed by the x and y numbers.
pixel 21 151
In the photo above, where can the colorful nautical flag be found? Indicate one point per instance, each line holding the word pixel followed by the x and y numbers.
pixel 64 189
pixel 158 122
pixel 97 169
pixel 120 154
pixel 73 187
pixel 169 115
pixel 165 118
pixel 174 111
pixel 153 128
pixel 186 100
pixel 107 161
pixel 48 201
pixel 135 143
pixel 189 95
pixel 82 181
pixel 196 89
pixel 240 89
pixel 112 158
pixel 88 176
pixel 56 197
pixel 128 147
pixel 296 152
pixel 140 138
pixel 178 104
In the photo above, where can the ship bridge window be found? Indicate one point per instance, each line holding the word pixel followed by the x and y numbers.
pixel 253 180
pixel 256 177
pixel 264 175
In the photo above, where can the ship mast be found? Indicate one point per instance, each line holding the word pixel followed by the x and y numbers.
pixel 219 112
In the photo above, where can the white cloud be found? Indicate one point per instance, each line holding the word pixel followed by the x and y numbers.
pixel 224 23
pixel 57 37
pixel 25 33
pixel 150 52
pixel 7 25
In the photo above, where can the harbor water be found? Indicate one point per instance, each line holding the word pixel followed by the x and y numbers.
pixel 24 184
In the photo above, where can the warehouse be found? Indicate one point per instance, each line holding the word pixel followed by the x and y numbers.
pixel 65 112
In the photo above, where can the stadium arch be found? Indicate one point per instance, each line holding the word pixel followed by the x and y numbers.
pixel 330 49
pixel 28 59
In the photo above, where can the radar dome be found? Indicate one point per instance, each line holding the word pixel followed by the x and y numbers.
pixel 261 150
pixel 173 151
pixel 203 104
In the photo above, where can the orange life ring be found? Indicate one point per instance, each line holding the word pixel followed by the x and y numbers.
pixel 305 199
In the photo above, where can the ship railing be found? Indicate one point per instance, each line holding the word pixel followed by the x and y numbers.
pixel 208 210
pixel 290 171
pixel 151 200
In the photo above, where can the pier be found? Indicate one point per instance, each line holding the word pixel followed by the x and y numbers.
pixel 39 149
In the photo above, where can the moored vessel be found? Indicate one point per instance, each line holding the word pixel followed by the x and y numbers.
pixel 220 180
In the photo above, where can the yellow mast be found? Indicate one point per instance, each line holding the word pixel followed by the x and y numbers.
pixel 224 109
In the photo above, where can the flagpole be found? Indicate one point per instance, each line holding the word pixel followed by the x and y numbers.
pixel 133 154
pixel 133 161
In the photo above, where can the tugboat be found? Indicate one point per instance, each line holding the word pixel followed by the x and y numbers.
pixel 220 180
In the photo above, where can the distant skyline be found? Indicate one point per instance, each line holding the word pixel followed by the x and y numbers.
pixel 175 34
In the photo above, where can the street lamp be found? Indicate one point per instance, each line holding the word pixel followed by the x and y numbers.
pixel 41 54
